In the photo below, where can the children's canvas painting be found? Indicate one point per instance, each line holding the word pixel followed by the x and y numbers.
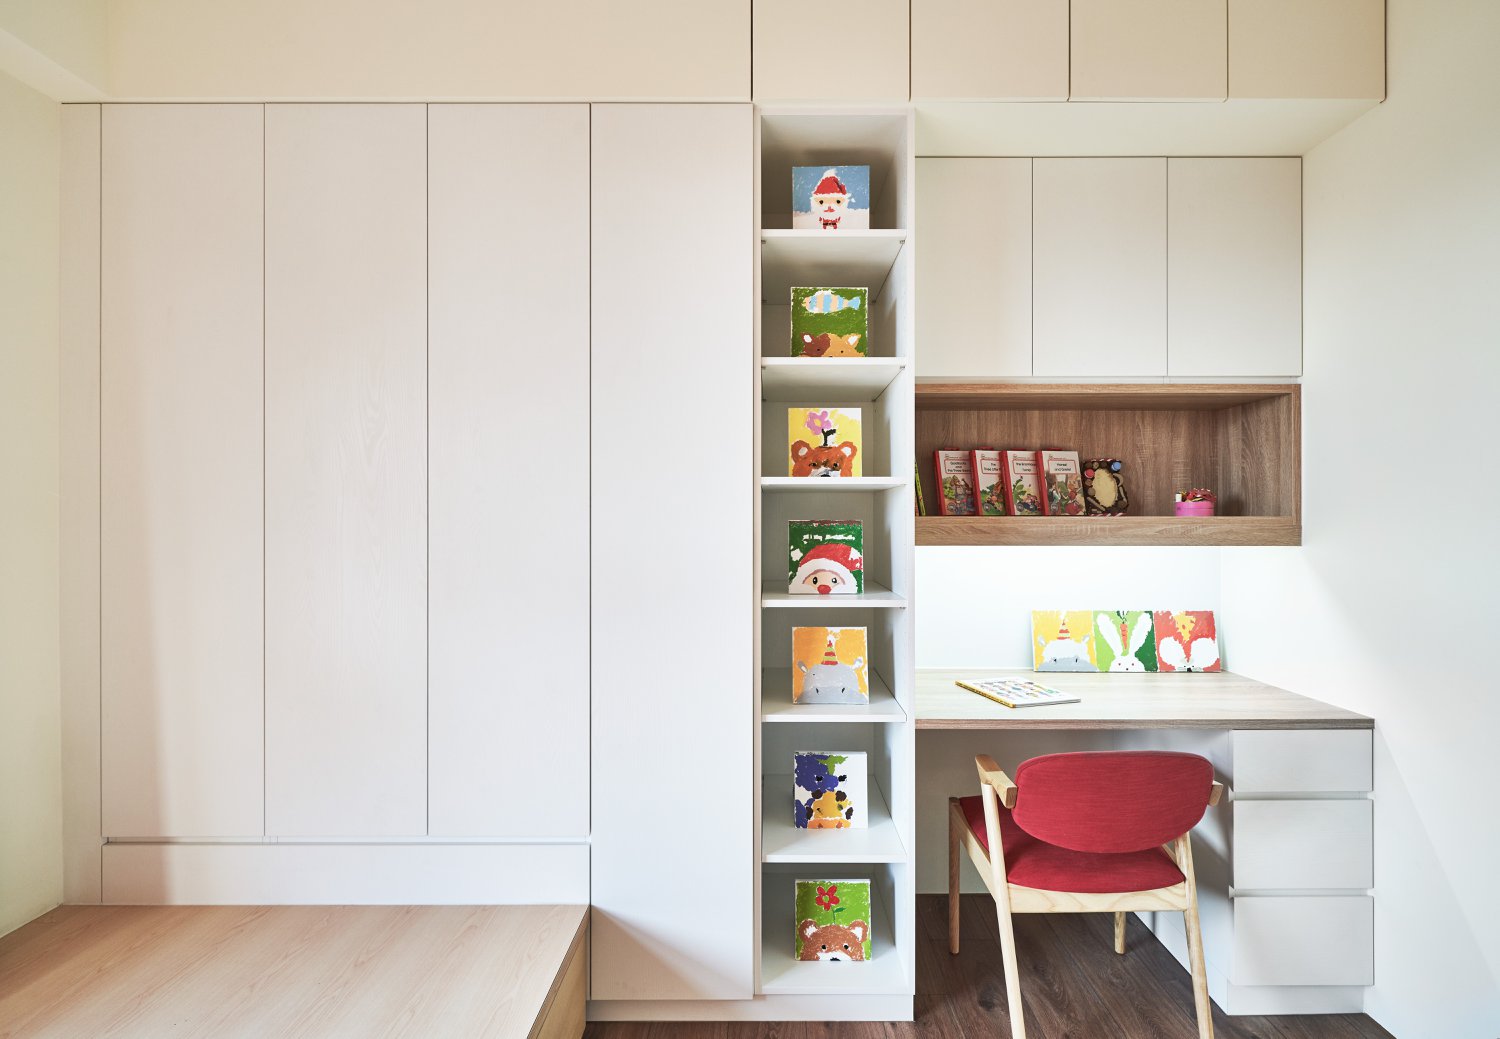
pixel 825 557
pixel 1187 640
pixel 829 790
pixel 1126 640
pixel 830 322
pixel 1063 640
pixel 833 921
pixel 831 198
pixel 830 665
pixel 824 442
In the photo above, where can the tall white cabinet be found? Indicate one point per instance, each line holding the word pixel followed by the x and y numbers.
pixel 180 471
pixel 346 470
pixel 674 586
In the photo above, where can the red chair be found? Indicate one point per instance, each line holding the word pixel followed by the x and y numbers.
pixel 1092 832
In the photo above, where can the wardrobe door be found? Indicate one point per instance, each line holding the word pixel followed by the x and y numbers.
pixel 673 591
pixel 346 473
pixel 508 234
pixel 180 471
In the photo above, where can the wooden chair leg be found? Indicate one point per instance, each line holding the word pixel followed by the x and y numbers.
pixel 1120 933
pixel 1201 1001
pixel 954 862
pixel 1012 971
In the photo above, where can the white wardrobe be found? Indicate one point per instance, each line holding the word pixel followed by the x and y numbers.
pixel 425 562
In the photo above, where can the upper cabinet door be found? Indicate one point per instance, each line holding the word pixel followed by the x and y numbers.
pixel 856 53
pixel 509 454
pixel 1307 48
pixel 1099 267
pixel 1149 50
pixel 180 480
pixel 346 470
pixel 1234 267
pixel 673 314
pixel 974 267
pixel 989 50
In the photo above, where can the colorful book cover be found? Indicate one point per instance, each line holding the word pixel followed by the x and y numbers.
pixel 1126 640
pixel 830 665
pixel 1062 478
pixel 1063 640
pixel 833 920
pixel 830 322
pixel 955 476
pixel 824 442
pixel 831 198
pixel 1023 484
pixel 830 790
pixel 989 482
pixel 916 480
pixel 1187 640
pixel 825 557
pixel 1104 487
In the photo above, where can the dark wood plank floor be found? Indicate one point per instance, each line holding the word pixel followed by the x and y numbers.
pixel 1073 984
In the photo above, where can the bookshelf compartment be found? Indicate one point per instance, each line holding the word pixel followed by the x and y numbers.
pixel 782 973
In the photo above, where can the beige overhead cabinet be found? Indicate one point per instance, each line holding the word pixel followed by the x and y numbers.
pixel 1307 49
pixel 867 55
pixel 1148 50
pixel 989 50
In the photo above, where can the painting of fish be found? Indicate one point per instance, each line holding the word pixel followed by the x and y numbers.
pixel 826 301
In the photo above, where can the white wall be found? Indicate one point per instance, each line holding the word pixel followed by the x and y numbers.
pixel 30 729
pixel 1389 606
pixel 55 46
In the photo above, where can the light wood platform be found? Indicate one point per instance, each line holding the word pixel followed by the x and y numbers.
pixel 1128 701
pixel 152 971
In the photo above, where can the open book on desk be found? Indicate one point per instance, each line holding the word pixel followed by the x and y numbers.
pixel 1016 692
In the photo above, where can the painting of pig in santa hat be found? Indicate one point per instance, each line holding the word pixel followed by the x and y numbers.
pixel 831 198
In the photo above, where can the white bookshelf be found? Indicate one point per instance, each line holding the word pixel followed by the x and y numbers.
pixel 882 386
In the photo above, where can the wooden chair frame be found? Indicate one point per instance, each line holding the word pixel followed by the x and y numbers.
pixel 997 789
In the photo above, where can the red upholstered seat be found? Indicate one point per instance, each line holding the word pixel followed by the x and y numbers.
pixel 1037 864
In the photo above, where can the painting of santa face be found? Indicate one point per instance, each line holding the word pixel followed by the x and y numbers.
pixel 830 207
pixel 823 582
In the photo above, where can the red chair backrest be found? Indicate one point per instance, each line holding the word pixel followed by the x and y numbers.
pixel 1106 801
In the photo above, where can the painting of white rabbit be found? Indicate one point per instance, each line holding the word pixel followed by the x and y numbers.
pixel 1127 640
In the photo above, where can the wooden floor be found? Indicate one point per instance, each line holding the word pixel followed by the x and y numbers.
pixel 282 971
pixel 1074 986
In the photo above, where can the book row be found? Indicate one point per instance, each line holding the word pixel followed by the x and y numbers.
pixel 991 482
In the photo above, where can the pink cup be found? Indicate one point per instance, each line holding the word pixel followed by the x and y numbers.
pixel 1194 508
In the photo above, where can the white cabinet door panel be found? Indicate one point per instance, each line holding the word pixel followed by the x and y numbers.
pixel 974 267
pixel 1148 50
pixel 509 450
pixel 346 502
pixel 1302 761
pixel 989 50
pixel 1099 267
pixel 1296 845
pixel 180 481
pixel 1307 48
pixel 1306 940
pixel 673 313
pixel 1234 267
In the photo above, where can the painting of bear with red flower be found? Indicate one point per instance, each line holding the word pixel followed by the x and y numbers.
pixel 833 921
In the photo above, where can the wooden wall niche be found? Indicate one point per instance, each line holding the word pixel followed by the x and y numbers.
pixel 1243 441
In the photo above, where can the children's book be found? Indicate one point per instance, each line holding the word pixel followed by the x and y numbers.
pixel 1127 640
pixel 830 322
pixel 1187 640
pixel 1062 479
pixel 1016 692
pixel 830 665
pixel 989 482
pixel 1022 482
pixel 823 442
pixel 825 557
pixel 917 483
pixel 1104 488
pixel 830 790
pixel 955 476
pixel 833 921
pixel 1063 640
pixel 831 198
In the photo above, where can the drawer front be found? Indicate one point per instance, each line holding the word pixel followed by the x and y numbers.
pixel 1303 844
pixel 1315 940
pixel 1302 760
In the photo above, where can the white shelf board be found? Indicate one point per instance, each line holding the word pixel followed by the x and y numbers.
pixel 820 484
pixel 781 973
pixel 844 378
pixel 857 259
pixel 780 841
pixel 776 703
pixel 877 596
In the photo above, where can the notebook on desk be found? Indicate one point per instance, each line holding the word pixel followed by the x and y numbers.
pixel 1016 692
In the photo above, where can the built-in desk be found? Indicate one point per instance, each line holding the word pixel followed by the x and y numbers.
pixel 1129 701
pixel 1285 863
